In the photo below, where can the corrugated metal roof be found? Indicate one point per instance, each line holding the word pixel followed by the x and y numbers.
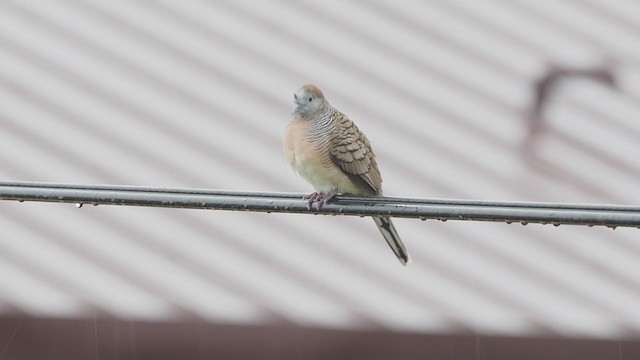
pixel 197 94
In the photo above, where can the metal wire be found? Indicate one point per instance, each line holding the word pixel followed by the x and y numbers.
pixel 440 209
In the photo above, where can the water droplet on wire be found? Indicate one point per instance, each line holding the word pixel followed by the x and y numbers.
pixel 78 205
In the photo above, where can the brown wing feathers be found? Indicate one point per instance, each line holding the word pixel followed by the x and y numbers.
pixel 350 150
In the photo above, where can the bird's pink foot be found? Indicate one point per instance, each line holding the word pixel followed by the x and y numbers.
pixel 311 198
pixel 324 199
pixel 319 199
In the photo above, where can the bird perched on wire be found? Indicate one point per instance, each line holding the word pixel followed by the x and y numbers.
pixel 331 153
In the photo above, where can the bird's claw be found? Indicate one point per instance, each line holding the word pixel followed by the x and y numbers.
pixel 310 199
pixel 319 199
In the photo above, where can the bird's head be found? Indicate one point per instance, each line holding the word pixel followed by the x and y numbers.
pixel 309 101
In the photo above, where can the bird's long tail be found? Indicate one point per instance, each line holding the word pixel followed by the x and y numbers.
pixel 391 235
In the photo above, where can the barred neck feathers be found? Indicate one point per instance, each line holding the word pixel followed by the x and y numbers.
pixel 321 125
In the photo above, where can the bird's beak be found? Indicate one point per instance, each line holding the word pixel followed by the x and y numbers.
pixel 296 104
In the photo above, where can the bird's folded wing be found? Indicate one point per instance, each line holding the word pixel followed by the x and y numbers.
pixel 351 152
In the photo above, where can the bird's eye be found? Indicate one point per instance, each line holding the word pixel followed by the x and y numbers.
pixel 310 99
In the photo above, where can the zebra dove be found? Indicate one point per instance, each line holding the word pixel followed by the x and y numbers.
pixel 331 153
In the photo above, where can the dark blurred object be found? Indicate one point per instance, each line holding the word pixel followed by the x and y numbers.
pixel 548 83
pixel 27 338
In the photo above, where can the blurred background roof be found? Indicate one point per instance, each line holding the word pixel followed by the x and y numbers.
pixel 197 94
